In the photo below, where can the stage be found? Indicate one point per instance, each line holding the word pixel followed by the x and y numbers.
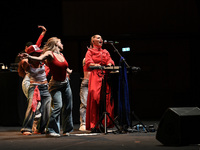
pixel 11 138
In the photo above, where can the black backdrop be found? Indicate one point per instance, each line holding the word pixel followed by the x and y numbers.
pixel 163 37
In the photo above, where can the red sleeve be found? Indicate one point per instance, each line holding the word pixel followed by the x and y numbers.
pixel 39 41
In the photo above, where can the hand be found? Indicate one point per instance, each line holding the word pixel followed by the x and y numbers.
pixel 69 71
pixel 109 64
pixel 97 65
pixel 23 55
pixel 43 28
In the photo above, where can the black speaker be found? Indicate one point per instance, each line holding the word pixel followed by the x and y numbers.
pixel 179 126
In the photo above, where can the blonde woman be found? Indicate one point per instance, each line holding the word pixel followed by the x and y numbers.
pixel 59 87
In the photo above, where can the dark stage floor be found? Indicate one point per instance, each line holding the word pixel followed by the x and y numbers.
pixel 11 138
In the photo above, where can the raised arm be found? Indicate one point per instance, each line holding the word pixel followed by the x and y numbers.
pixel 44 30
pixel 39 41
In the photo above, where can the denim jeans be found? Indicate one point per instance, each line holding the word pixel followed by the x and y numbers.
pixel 25 89
pixel 44 109
pixel 25 85
pixel 83 98
pixel 61 107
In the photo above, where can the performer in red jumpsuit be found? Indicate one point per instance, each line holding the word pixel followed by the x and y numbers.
pixel 96 56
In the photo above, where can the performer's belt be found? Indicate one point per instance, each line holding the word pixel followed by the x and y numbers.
pixel 39 82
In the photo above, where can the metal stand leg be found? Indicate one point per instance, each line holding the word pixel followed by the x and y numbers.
pixel 105 113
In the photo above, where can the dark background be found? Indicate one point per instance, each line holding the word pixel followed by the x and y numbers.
pixel 163 37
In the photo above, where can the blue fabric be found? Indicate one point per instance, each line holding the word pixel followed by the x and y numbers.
pixel 62 107
pixel 44 109
pixel 123 95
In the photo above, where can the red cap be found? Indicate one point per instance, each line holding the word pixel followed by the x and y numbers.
pixel 33 48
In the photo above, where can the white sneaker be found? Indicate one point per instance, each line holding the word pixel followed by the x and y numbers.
pixel 82 128
pixel 38 116
pixel 66 134
pixel 53 135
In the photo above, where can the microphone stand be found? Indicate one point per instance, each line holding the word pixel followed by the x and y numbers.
pixel 136 69
pixel 116 50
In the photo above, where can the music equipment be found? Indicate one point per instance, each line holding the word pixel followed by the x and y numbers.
pixel 106 70
pixel 114 68
pixel 110 68
pixel 103 98
pixel 179 126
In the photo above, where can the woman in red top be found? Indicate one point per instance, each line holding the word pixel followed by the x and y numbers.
pixel 59 87
pixel 96 56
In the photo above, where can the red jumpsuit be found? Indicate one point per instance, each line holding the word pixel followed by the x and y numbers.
pixel 103 58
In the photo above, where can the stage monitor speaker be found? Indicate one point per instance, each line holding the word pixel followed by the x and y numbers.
pixel 179 126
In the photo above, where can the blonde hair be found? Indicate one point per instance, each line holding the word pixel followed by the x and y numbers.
pixel 91 41
pixel 50 44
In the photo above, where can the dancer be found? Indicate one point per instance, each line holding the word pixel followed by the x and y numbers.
pixel 37 91
pixel 83 97
pixel 59 87
pixel 26 81
pixel 96 56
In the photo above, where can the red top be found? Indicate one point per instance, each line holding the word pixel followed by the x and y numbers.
pixel 101 56
pixel 58 69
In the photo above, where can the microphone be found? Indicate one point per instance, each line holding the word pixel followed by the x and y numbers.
pixel 110 42
pixel 135 69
